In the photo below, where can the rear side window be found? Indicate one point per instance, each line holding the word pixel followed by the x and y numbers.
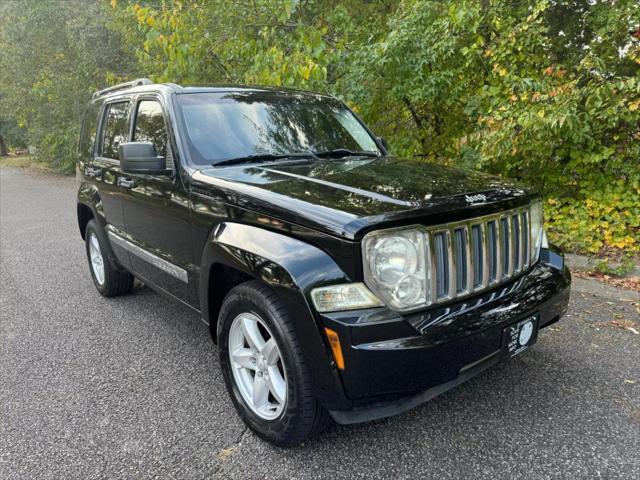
pixel 88 135
pixel 150 126
pixel 115 129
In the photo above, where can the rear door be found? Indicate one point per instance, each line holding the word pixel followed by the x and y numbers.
pixel 105 168
pixel 156 210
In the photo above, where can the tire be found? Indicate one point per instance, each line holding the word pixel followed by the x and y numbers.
pixel 110 281
pixel 301 416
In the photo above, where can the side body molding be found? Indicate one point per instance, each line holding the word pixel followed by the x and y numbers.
pixel 292 268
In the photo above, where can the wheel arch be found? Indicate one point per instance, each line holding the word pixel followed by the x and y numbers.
pixel 88 207
pixel 236 252
pixel 85 214
pixel 222 278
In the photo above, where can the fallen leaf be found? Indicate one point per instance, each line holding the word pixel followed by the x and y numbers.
pixel 226 452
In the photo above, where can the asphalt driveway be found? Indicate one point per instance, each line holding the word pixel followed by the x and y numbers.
pixel 131 387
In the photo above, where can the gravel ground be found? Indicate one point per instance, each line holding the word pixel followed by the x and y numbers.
pixel 131 387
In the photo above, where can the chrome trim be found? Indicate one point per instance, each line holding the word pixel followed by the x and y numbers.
pixel 511 246
pixel 448 230
pixel 520 244
pixel 433 289
pixel 473 264
pixel 470 276
pixel 484 241
pixel 499 252
pixel 165 266
pixel 451 269
pixel 523 255
pixel 526 240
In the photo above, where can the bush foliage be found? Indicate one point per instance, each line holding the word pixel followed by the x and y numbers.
pixel 545 91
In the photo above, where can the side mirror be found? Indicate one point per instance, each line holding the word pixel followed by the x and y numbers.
pixel 382 141
pixel 140 157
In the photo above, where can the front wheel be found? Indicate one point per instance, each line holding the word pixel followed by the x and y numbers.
pixel 264 369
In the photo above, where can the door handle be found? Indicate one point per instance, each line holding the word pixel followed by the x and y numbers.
pixel 92 172
pixel 126 182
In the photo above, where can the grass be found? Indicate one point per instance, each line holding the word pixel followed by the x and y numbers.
pixel 25 161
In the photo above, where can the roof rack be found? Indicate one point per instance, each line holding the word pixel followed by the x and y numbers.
pixel 121 86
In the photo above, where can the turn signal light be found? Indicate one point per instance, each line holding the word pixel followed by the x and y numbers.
pixel 334 342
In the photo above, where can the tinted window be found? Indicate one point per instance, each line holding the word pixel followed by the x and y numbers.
pixel 221 126
pixel 115 129
pixel 150 126
pixel 88 135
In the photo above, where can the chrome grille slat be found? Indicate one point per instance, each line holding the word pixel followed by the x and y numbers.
pixel 460 268
pixel 486 263
pixel 504 247
pixel 442 266
pixel 476 254
pixel 479 261
pixel 526 238
pixel 511 244
pixel 498 250
pixel 517 229
pixel 470 263
pixel 451 269
pixel 432 264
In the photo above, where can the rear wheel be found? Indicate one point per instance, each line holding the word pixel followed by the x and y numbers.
pixel 109 280
pixel 264 368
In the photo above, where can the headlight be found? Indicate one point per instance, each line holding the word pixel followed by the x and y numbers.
pixel 535 214
pixel 395 267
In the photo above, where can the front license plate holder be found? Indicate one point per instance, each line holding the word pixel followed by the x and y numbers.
pixel 519 336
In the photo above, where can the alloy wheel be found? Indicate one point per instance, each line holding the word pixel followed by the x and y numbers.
pixel 258 369
pixel 97 261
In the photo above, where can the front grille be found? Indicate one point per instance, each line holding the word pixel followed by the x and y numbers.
pixel 474 255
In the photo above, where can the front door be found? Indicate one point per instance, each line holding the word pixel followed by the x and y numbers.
pixel 156 212
pixel 105 168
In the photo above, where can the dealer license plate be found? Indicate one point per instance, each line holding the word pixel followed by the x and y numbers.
pixel 518 337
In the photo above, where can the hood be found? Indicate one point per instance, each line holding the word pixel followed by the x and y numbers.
pixel 348 196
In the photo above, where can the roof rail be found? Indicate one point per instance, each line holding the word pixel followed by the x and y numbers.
pixel 121 86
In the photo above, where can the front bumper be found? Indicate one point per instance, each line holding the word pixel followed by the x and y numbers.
pixel 395 362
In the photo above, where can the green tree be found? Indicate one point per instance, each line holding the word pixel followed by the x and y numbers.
pixel 53 55
pixel 544 91
pixel 270 42
pixel 547 91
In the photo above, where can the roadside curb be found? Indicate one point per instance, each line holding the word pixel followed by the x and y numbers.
pixel 595 287
pixel 583 263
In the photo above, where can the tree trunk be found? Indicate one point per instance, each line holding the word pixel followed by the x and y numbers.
pixel 3 147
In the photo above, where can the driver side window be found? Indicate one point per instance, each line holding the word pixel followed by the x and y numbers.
pixel 150 126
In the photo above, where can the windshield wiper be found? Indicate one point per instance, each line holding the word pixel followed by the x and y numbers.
pixel 263 157
pixel 267 157
pixel 345 152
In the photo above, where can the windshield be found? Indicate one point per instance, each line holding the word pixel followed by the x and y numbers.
pixel 230 125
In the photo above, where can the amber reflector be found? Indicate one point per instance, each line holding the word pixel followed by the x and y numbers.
pixel 334 341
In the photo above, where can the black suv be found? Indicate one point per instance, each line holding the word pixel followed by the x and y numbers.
pixel 339 282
